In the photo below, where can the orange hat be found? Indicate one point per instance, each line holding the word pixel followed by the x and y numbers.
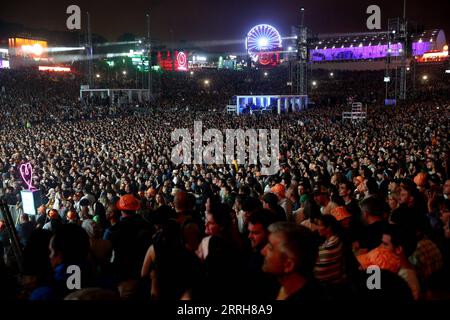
pixel 359 179
pixel 151 192
pixel 128 202
pixel 53 214
pixel 340 213
pixel 420 179
pixel 72 215
pixel 279 190
pixel 380 257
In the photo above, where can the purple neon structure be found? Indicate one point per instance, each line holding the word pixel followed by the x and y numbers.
pixel 26 172
pixel 359 52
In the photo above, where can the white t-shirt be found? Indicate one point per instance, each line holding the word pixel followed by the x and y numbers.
pixel 203 248
pixel 57 203
pixel 47 226
pixel 88 226
pixel 240 220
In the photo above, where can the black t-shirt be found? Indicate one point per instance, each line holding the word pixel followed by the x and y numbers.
pixel 370 236
pixel 356 222
pixel 41 220
pixel 280 213
pixel 130 241
pixel 353 208
pixel 223 273
pixel 11 199
pixel 310 292
pixel 410 218
pixel 261 286
pixel 177 269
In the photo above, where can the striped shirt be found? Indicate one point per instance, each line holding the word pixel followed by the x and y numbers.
pixel 329 266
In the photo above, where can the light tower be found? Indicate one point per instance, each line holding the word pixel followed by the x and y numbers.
pixel 89 50
pixel 149 52
pixel 300 81
pixel 397 34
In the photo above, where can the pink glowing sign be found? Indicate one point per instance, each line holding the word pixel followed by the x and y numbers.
pixel 26 171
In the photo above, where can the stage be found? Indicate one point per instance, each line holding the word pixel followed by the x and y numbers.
pixel 267 104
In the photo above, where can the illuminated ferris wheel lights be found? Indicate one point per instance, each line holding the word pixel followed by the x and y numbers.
pixel 261 38
pixel 263 42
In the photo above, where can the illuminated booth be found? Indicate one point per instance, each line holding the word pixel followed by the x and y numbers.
pixel 267 104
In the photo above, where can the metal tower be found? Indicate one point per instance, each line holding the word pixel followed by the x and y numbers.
pixel 398 33
pixel 149 51
pixel 89 50
pixel 300 82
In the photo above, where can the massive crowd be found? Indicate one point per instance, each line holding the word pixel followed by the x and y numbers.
pixel 347 196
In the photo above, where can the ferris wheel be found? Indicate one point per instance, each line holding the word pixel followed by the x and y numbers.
pixel 262 38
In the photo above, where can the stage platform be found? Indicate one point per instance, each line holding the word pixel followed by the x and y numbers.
pixel 243 104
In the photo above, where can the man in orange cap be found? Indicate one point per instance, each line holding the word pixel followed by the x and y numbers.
pixel 72 216
pixel 131 240
pixel 151 192
pixel 55 221
pixel 421 181
pixel 128 204
pixel 148 201
pixel 280 191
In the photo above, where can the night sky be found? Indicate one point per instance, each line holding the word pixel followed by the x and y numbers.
pixel 219 20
